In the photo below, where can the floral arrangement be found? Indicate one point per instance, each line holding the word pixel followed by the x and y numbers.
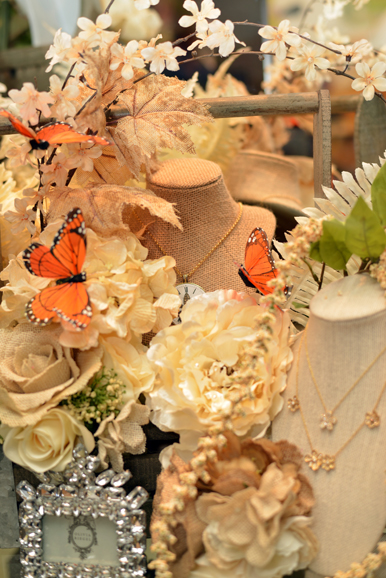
pixel 216 378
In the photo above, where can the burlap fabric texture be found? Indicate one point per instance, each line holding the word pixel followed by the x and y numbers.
pixel 207 211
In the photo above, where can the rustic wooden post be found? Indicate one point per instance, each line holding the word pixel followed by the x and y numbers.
pixel 322 144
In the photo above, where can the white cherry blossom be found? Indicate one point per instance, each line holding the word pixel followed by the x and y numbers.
pixel 31 101
pixel 277 39
pixel 222 37
pixel 199 17
pixel 163 56
pixel 58 50
pixel 22 217
pixel 145 4
pixel 81 155
pixel 354 51
pixel 333 9
pixel 65 99
pixel 57 171
pixel 128 57
pixel 370 79
pixel 96 32
pixel 308 59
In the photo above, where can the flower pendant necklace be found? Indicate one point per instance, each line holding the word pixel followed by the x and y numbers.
pixel 328 419
pixel 317 459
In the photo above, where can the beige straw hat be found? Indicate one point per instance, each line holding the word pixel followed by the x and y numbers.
pixel 271 180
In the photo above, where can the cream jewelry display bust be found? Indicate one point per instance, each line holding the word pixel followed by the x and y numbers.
pixel 346 337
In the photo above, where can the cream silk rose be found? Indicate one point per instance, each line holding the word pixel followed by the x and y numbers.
pixel 36 372
pixel 48 444
pixel 192 362
pixel 129 295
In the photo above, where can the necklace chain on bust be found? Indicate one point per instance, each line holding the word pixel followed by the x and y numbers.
pixel 328 419
pixel 186 277
pixel 317 459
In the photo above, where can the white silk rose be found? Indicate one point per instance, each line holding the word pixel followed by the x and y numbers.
pixel 193 360
pixel 46 445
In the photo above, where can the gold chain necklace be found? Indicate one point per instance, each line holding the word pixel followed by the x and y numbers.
pixel 328 419
pixel 316 459
pixel 186 277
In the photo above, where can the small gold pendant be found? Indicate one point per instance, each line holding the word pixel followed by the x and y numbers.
pixel 293 404
pixel 327 421
pixel 372 419
pixel 316 460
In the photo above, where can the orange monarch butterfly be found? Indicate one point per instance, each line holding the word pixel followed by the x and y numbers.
pixel 67 299
pixel 54 133
pixel 259 265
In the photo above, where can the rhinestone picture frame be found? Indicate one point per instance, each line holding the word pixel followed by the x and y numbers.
pixel 81 498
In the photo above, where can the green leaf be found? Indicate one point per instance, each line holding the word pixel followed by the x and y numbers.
pixel 378 195
pixel 365 235
pixel 333 248
pixel 315 252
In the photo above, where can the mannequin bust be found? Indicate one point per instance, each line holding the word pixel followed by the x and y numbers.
pixel 346 332
pixel 207 212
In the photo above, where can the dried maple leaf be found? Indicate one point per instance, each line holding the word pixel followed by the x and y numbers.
pixel 107 170
pixel 157 113
pixel 107 209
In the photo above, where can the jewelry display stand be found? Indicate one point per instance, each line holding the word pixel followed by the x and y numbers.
pixel 346 332
pixel 207 212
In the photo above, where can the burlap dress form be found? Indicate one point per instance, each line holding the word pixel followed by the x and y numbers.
pixel 207 211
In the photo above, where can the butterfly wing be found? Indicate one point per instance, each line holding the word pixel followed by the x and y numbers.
pixel 39 261
pixel 259 265
pixel 17 125
pixel 69 245
pixel 70 301
pixel 62 133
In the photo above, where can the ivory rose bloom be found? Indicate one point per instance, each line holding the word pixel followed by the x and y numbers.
pixel 192 362
pixel 36 372
pixel 46 445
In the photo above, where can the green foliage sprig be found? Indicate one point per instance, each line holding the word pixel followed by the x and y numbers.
pixel 98 400
pixel 362 234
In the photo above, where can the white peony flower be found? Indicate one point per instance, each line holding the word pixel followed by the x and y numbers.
pixel 308 59
pixel 370 79
pixel 278 38
pixel 192 361
pixel 199 17
pixel 222 37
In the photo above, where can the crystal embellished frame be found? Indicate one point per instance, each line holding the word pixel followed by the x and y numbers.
pixel 83 498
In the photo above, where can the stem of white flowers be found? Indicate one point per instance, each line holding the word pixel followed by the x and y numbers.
pixel 246 23
pixel 181 40
pixel 109 6
pixel 68 76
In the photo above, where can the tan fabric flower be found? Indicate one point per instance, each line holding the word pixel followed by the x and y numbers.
pixel 254 513
pixel 192 361
pixel 48 443
pixel 36 372
pixel 122 434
